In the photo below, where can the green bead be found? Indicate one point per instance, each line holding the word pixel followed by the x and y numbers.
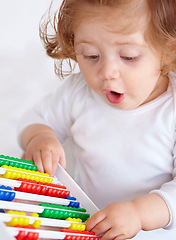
pixel 45 213
pixel 56 214
pixel 61 215
pixel 51 214
pixel 4 162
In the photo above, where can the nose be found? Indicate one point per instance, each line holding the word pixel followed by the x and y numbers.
pixel 109 70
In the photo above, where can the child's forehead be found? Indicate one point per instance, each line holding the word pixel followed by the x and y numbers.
pixel 127 17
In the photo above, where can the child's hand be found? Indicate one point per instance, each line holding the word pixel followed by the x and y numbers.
pixel 118 221
pixel 43 147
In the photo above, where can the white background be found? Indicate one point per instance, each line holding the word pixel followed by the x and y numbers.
pixel 26 72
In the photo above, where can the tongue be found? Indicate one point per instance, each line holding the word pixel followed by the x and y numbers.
pixel 114 97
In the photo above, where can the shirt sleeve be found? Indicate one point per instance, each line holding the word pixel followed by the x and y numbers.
pixel 168 192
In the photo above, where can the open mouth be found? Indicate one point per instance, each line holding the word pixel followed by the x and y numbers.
pixel 114 97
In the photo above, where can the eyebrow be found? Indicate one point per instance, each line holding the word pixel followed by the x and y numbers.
pixel 115 43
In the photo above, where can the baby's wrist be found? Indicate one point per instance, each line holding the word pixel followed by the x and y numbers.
pixel 44 133
pixel 152 211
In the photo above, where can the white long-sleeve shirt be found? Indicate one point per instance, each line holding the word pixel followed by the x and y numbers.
pixel 120 154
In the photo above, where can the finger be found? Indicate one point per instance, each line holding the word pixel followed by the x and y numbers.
pixel 47 160
pixel 23 156
pixel 111 234
pixel 55 161
pixel 101 227
pixel 62 160
pixel 121 237
pixel 38 161
pixel 28 156
pixel 94 220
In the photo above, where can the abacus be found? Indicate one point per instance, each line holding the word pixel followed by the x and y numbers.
pixel 37 206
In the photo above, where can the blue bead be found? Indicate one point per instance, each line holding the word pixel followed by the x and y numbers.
pixel 6 196
pixel 74 204
pixel 70 198
pixel 2 195
pixel 12 196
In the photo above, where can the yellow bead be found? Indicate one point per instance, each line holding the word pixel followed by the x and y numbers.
pixel 8 174
pixel 10 212
pixel 26 221
pixel 18 175
pixel 23 175
pixel 82 227
pixel 42 179
pixel 34 215
pixel 77 220
pixel 32 177
pixel 20 221
pixel 76 226
pixel 36 223
pixel 28 176
pixel 4 166
pixel 50 180
pixel 47 180
pixel 13 222
pixel 37 178
pixel 72 226
pixel 74 219
pixel 22 213
pixel 14 175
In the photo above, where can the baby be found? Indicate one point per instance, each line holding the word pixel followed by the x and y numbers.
pixel 119 111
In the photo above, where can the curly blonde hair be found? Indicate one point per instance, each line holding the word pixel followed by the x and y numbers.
pixel 161 31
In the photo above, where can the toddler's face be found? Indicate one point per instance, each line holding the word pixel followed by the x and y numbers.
pixel 121 68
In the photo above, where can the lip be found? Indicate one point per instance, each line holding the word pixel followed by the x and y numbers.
pixel 113 96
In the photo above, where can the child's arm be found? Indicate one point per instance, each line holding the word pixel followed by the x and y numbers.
pixel 123 220
pixel 42 146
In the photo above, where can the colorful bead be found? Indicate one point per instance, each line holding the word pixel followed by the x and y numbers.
pixel 59 214
pixel 34 215
pixel 6 195
pixel 21 221
pixel 74 219
pixel 76 226
pixel 36 224
pixel 22 235
pixel 62 207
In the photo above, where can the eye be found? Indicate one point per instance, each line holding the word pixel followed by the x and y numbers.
pixel 130 59
pixel 92 57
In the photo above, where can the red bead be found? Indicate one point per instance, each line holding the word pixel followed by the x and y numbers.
pixel 31 236
pixel 58 193
pixel 43 190
pixel 29 188
pixel 54 192
pixel 67 237
pixel 21 235
pixel 49 192
pixel 38 189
